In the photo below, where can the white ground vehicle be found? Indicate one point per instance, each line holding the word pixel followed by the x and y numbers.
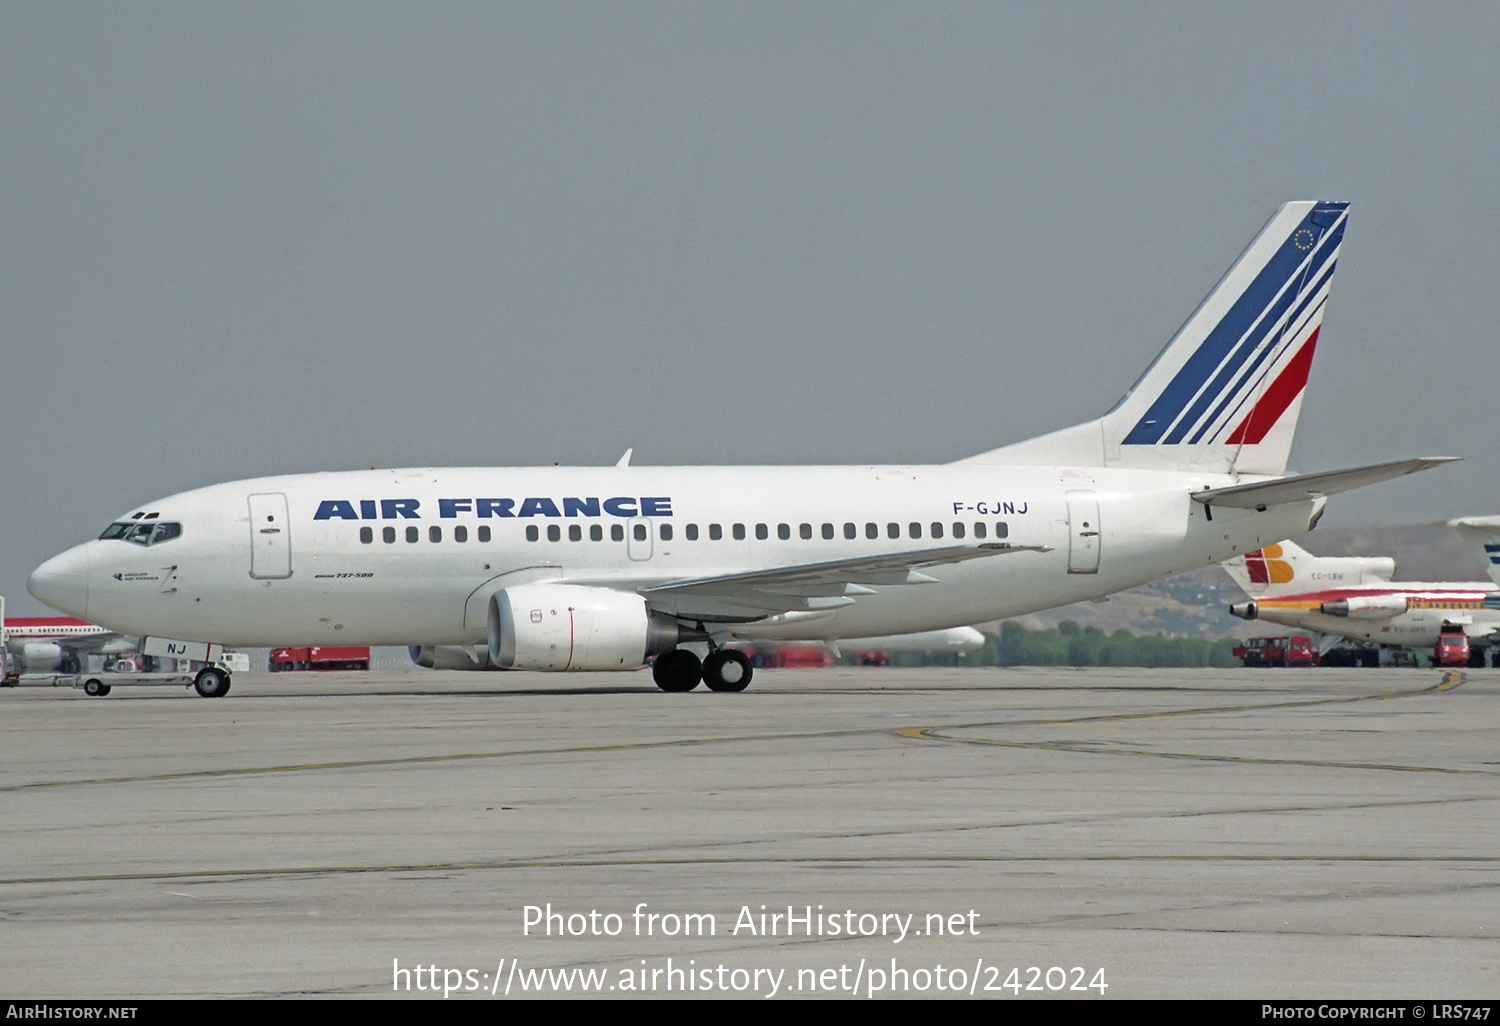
pixel 210 682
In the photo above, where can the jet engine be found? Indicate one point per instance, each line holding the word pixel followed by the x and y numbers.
pixel 575 627
pixel 1366 607
pixel 41 656
pixel 1244 610
pixel 452 657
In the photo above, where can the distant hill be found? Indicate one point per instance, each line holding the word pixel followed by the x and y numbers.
pixel 1196 605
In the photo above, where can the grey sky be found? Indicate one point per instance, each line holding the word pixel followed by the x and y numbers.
pixel 246 239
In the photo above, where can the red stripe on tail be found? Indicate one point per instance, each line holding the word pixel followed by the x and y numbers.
pixel 1255 562
pixel 1278 397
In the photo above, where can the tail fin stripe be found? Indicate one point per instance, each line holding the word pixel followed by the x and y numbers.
pixel 1270 319
pixel 1252 397
pixel 1255 563
pixel 1264 414
pixel 1246 347
pixel 1301 317
pixel 1224 341
pixel 1238 395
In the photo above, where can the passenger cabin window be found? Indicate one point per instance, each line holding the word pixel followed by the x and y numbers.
pixel 978 529
pixel 388 534
pixel 460 533
pixel 715 532
pixel 691 530
pixel 805 531
pixel 850 531
pixel 575 532
pixel 532 532
pixel 937 529
pixel 640 532
pixel 739 532
pixel 872 531
pixel 366 535
pixel 1001 531
pixel 666 532
pixel 554 533
pixel 958 529
pixel 596 532
pixel 435 533
pixel 484 533
pixel 762 532
pixel 893 530
pixel 784 531
pixel 617 532
pixel 916 530
pixel 412 534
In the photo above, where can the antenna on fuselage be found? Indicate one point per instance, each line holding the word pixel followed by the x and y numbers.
pixel 625 460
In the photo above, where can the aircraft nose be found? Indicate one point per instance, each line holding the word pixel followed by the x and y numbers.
pixel 63 582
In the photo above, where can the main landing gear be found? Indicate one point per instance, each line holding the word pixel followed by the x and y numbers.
pixel 725 669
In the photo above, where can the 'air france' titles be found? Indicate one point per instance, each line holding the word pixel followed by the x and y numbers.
pixel 623 506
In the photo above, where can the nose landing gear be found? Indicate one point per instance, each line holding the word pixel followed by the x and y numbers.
pixel 211 682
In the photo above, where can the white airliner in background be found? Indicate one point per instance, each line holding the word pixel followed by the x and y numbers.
pixel 42 644
pixel 583 568
pixel 1354 597
pixel 1486 531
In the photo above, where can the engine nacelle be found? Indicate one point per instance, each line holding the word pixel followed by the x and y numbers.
pixel 1244 610
pixel 41 656
pixel 1375 569
pixel 1366 607
pixel 575 627
pixel 452 657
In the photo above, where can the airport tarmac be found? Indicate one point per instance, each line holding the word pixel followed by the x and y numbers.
pixel 1168 833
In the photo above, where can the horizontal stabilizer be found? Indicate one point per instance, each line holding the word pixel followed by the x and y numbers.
pixel 1313 486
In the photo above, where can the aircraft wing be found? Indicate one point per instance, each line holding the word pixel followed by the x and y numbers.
pixel 755 594
pixel 1302 487
pixel 94 643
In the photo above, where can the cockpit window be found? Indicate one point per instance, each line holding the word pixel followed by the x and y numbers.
pixel 142 532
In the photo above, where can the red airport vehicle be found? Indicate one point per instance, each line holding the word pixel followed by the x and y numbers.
pixel 324 657
pixel 1452 649
pixel 1296 650
pixel 789 656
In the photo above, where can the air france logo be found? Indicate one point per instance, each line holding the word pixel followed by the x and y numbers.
pixel 1267 567
pixel 624 506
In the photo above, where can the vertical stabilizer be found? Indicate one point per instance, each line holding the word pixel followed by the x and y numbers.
pixel 1288 569
pixel 1225 393
pixel 1486 531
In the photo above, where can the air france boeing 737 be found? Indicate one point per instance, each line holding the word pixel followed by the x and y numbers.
pixel 563 568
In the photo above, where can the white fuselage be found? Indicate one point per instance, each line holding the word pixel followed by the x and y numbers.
pixel 313 580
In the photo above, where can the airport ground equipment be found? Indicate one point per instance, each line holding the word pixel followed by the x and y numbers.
pixel 1295 650
pixel 320 657
pixel 211 681
pixel 1452 649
